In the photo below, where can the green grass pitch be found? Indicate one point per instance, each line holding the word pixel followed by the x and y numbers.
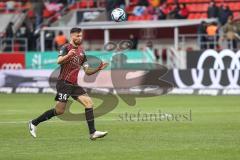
pixel 212 133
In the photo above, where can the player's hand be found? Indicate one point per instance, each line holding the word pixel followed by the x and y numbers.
pixel 71 52
pixel 103 65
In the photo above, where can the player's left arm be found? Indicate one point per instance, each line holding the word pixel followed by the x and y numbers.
pixel 89 71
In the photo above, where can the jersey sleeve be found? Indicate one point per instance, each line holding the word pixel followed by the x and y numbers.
pixel 63 51
pixel 85 63
pixel 85 59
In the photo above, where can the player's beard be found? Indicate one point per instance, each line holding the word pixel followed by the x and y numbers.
pixel 77 42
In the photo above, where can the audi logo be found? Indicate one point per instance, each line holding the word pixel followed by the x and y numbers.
pixel 8 66
pixel 215 73
pixel 118 46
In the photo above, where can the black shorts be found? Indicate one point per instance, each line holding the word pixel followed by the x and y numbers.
pixel 66 89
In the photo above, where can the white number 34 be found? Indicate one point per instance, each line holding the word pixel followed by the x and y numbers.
pixel 62 96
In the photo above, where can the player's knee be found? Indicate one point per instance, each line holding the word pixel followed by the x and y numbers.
pixel 60 108
pixel 88 103
pixel 59 111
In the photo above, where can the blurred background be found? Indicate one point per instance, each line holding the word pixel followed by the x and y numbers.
pixel 197 41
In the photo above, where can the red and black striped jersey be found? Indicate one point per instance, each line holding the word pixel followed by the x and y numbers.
pixel 69 70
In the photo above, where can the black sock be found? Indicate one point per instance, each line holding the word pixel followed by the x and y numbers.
pixel 90 120
pixel 44 117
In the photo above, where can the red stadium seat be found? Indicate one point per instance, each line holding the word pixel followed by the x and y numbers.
pixel 129 9
pixel 198 7
pixel 139 18
pixel 234 6
pixel 203 15
pixel 30 14
pixel 74 6
pixel 17 5
pixel 236 14
pixel 133 2
pixel 133 18
pixel 130 18
pixel 181 1
pixel 148 17
pixel 170 1
pixel 16 47
pixel 191 16
pixel 2 6
pixel 205 7
pixel 86 4
pixel 47 13
pixel 190 8
pixel 206 0
pixel 198 16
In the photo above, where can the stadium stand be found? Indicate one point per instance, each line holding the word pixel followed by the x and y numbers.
pixel 6 18
pixel 60 13
pixel 197 8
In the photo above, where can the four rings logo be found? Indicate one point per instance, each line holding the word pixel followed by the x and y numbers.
pixel 215 73
pixel 11 66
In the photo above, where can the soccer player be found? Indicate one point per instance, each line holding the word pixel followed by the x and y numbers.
pixel 71 58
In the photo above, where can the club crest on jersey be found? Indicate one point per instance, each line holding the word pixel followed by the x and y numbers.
pixel 75 60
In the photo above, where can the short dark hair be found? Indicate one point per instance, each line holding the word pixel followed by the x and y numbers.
pixel 75 30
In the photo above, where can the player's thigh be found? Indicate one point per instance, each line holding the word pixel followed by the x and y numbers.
pixel 63 91
pixel 85 100
pixel 80 95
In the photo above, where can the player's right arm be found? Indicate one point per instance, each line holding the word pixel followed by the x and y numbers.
pixel 64 56
pixel 89 71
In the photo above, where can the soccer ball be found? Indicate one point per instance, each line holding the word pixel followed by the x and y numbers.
pixel 118 15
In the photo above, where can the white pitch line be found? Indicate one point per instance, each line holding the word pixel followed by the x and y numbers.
pixel 22 122
pixel 17 122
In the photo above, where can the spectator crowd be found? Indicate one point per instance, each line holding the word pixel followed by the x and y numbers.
pixel 154 9
pixel 29 29
pixel 225 29
pixel 223 33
